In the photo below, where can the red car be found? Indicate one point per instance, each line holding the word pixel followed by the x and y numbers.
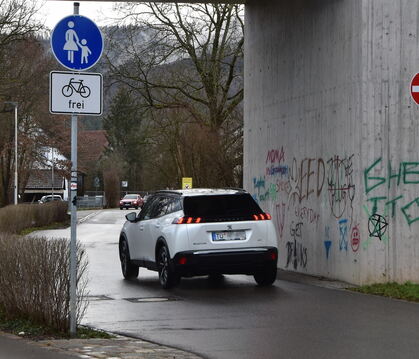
pixel 131 201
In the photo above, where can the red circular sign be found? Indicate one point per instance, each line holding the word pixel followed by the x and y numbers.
pixel 355 238
pixel 414 88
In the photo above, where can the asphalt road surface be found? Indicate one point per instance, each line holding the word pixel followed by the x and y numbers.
pixel 236 319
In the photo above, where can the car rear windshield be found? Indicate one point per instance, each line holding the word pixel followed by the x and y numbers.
pixel 232 207
pixel 130 196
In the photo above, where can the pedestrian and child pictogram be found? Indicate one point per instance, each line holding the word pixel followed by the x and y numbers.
pixel 77 42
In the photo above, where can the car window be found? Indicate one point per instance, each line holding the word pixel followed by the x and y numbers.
pixel 160 207
pixel 131 196
pixel 147 208
pixel 221 206
pixel 174 205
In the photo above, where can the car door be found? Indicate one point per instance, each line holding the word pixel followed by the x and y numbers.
pixel 138 232
pixel 154 226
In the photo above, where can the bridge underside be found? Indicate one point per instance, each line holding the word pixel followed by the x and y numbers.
pixel 331 134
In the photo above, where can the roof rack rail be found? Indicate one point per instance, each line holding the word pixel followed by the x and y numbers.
pixel 168 191
pixel 235 189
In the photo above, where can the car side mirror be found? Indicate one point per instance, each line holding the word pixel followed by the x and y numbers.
pixel 131 217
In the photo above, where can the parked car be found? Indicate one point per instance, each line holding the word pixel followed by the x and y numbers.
pixel 185 233
pixel 131 201
pixel 50 198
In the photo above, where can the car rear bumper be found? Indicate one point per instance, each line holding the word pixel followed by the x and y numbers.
pixel 127 205
pixel 240 261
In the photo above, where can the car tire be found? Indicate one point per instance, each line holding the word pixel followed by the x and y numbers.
pixel 265 277
pixel 120 208
pixel 129 270
pixel 136 207
pixel 167 276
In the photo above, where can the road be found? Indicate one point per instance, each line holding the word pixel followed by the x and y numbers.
pixel 236 319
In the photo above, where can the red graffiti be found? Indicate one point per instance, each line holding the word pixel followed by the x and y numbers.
pixel 275 156
pixel 355 238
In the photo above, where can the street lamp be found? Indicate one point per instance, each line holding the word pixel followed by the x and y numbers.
pixel 15 106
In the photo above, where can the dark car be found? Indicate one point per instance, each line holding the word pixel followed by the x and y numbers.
pixel 131 201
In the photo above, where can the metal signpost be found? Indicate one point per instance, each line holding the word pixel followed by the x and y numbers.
pixel 77 44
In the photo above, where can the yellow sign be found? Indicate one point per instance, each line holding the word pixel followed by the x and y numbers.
pixel 186 182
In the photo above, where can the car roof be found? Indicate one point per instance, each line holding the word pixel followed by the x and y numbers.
pixel 189 192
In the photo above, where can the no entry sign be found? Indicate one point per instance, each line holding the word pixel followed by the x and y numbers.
pixel 414 88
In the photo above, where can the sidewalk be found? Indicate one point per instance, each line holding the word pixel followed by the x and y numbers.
pixel 14 347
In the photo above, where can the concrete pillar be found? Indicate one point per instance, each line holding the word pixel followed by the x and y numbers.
pixel 330 136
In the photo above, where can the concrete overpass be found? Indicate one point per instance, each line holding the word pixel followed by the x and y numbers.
pixel 331 135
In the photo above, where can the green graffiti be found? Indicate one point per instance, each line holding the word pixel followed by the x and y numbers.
pixel 391 175
pixel 407 172
pixel 380 180
pixel 393 205
pixel 374 201
pixel 406 213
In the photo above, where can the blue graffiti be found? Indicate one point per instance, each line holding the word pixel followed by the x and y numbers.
pixel 343 231
pixel 281 170
pixel 327 245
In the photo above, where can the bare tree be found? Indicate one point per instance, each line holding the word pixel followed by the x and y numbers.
pixel 187 59
pixel 17 21
pixel 25 82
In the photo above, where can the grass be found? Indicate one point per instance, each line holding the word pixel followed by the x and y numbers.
pixel 28 329
pixel 55 225
pixel 407 291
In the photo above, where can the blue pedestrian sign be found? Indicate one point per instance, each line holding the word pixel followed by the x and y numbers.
pixel 77 42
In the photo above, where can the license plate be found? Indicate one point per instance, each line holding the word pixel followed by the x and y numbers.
pixel 228 236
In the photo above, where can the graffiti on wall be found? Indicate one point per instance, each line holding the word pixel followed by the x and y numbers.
pixel 295 188
pixel 312 191
pixel 355 238
pixel 296 251
pixel 343 234
pixel 379 178
pixel 327 242
pixel 340 184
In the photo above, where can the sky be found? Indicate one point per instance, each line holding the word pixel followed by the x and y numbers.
pixel 99 11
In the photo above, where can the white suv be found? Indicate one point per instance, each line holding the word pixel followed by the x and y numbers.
pixel 192 232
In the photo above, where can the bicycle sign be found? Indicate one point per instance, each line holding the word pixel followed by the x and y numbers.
pixel 81 89
pixel 75 93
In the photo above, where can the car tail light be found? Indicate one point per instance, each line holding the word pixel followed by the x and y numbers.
pixel 182 260
pixel 262 216
pixel 187 220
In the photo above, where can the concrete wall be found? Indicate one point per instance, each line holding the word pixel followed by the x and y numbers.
pixel 330 145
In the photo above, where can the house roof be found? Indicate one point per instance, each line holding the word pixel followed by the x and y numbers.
pixel 42 179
